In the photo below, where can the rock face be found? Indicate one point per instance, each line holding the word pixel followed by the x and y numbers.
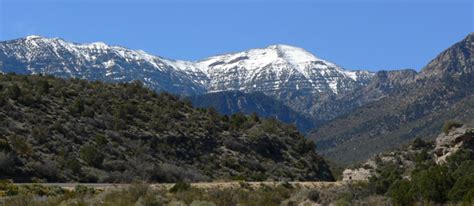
pixel 359 174
pixel 450 143
pixel 405 158
pixel 409 105
pixel 380 86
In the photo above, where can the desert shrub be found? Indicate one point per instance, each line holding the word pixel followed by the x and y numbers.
pixel 43 86
pixel 421 157
pixel 14 92
pixel 8 187
pixel 462 187
pixel 46 169
pixel 254 117
pixel 432 184
pixel 401 193
pixel 73 164
pixel 180 186
pixel 20 145
pixel 7 163
pixel 3 99
pixel 40 190
pixel 77 107
pixel 468 198
pixel 448 125
pixel 81 189
pixel 27 99
pixel 286 184
pixel 237 120
pixel 389 173
pixel 418 143
pixel 4 145
pixel 344 200
pixel 39 134
pixel 314 195
pixel 91 155
pixel 100 140
pixel 305 145
pixel 271 125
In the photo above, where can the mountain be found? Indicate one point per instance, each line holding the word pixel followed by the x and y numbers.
pixel 72 130
pixel 278 70
pixel 275 70
pixel 288 74
pixel 381 85
pixel 232 102
pixel 417 107
pixel 95 61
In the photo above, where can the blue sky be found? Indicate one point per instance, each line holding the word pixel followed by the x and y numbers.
pixel 356 34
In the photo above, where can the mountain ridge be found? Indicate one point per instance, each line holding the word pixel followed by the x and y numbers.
pixel 202 69
pixel 415 109
pixel 288 74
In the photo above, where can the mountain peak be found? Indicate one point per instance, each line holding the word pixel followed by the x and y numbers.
pixel 31 37
pixel 293 54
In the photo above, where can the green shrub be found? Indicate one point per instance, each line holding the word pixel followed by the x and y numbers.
pixel 101 140
pixel 433 184
pixel 237 120
pixel 43 86
pixel 14 92
pixel 39 134
pixel 450 125
pixel 314 195
pixel 78 106
pixel 388 175
pixel 20 145
pixel 8 187
pixel 81 189
pixel 180 186
pixel 286 184
pixel 4 145
pixel 468 198
pixel 91 155
pixel 418 143
pixel 401 192
pixel 462 187
pixel 3 99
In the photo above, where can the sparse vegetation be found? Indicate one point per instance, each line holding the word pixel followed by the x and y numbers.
pixel 143 194
pixel 65 130
pixel 428 182
pixel 448 125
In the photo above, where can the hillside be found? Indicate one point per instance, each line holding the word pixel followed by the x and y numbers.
pixel 435 172
pixel 60 130
pixel 232 102
pixel 442 91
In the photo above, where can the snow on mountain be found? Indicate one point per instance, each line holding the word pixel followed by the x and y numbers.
pixel 277 68
pixel 94 61
pixel 274 70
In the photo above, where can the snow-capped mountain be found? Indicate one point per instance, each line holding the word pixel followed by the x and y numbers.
pixel 278 69
pixel 95 61
pixel 288 74
pixel 273 70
